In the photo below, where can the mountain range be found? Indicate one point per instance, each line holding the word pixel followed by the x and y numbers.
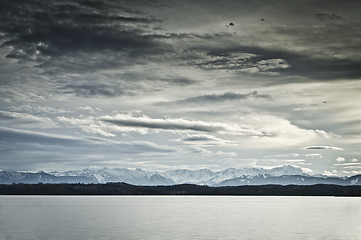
pixel 285 175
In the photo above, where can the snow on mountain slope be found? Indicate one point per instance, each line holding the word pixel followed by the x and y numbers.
pixel 180 176
pixel 8 177
pixel 228 177
pixel 208 177
pixel 135 177
pixel 282 180
pixel 231 173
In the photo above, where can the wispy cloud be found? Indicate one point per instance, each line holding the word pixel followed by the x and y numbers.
pixel 26 120
pixel 347 164
pixel 205 140
pixel 174 124
pixel 340 159
pixel 16 135
pixel 322 148
pixel 228 96
pixel 90 125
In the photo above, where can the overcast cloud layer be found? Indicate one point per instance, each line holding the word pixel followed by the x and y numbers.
pixel 180 84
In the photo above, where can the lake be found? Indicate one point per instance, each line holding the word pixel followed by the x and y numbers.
pixel 178 217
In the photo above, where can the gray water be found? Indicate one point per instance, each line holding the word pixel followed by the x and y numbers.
pixel 178 217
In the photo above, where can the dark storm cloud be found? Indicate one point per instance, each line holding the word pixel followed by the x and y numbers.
pixel 319 40
pixel 47 31
pixel 85 36
pixel 315 67
pixel 262 60
pixel 325 69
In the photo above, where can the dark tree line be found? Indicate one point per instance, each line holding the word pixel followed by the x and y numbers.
pixel 183 189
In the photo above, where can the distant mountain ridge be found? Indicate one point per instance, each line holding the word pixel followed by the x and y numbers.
pixel 285 175
pixel 9 177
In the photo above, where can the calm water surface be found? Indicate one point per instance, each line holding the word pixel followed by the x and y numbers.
pixel 178 217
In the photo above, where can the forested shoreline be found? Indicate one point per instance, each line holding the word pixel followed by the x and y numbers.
pixel 183 189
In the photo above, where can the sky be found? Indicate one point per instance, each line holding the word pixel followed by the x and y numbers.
pixel 162 85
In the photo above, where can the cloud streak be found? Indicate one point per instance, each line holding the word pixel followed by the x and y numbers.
pixel 180 124
pixel 205 140
pixel 15 135
pixel 26 120
pixel 165 124
pixel 228 96
pixel 322 148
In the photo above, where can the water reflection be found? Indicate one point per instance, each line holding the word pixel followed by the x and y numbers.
pixel 178 217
